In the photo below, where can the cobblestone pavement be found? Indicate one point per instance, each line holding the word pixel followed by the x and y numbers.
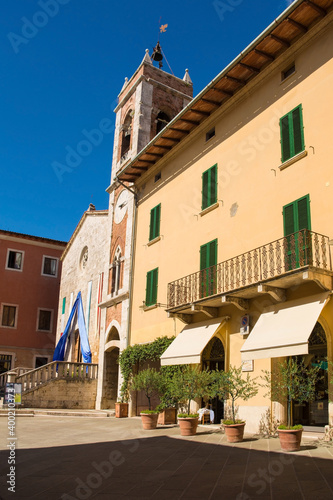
pixel 58 457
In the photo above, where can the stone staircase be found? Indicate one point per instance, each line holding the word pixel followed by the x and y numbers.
pixel 58 385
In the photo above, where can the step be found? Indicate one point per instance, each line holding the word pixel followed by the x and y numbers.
pixel 43 412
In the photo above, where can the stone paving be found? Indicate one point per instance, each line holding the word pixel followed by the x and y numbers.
pixel 68 458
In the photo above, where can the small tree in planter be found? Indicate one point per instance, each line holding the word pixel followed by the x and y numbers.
pixel 294 382
pixel 185 386
pixel 232 385
pixel 168 401
pixel 147 381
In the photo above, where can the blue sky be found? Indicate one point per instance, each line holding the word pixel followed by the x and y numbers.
pixel 63 65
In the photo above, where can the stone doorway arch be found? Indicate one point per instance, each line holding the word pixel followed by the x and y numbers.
pixel 111 369
pixel 213 358
pixel 315 413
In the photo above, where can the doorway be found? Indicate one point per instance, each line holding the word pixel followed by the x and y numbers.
pixel 213 358
pixel 315 413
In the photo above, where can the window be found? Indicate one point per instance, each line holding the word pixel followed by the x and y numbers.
pixel 126 135
pixel 208 261
pixel 9 316
pixel 292 137
pixel 115 272
pixel 14 260
pixel 151 287
pixel 41 361
pixel 161 121
pixel 50 266
pixel 44 320
pixel 296 220
pixel 155 217
pixel 210 134
pixel 5 363
pixel 209 187
pixel 288 72
pixel 157 177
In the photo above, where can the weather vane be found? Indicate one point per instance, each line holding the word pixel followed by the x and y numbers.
pixel 158 53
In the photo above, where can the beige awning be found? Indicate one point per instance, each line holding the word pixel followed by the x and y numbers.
pixel 284 329
pixel 188 345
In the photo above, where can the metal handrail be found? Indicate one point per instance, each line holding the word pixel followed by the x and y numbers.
pixel 299 249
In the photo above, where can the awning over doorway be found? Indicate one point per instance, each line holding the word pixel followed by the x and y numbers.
pixel 189 344
pixel 284 329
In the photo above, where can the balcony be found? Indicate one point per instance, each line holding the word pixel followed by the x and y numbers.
pixel 271 268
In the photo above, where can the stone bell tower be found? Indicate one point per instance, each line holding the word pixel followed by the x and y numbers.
pixel 146 103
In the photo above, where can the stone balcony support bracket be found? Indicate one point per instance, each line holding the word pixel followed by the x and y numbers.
pixel 211 312
pixel 278 294
pixel 241 304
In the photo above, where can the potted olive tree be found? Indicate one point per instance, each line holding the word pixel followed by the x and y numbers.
pixel 233 385
pixel 147 381
pixel 168 401
pixel 293 382
pixel 186 385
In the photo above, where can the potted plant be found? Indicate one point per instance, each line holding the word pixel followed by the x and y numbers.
pixel 147 381
pixel 168 402
pixel 294 382
pixel 186 385
pixel 232 385
pixel 121 408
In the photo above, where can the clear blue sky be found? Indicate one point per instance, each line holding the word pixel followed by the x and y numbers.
pixel 63 76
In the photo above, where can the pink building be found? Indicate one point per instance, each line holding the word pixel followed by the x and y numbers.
pixel 29 291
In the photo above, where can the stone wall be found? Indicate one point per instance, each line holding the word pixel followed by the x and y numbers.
pixel 80 394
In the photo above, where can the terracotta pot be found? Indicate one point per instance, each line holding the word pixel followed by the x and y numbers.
pixel 188 425
pixel 121 410
pixel 167 416
pixel 234 432
pixel 290 439
pixel 149 420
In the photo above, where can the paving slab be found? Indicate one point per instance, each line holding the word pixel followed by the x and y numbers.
pixel 72 458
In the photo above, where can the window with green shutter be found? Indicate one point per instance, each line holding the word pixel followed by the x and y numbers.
pixel 296 220
pixel 292 136
pixel 151 287
pixel 209 187
pixel 208 261
pixel 155 217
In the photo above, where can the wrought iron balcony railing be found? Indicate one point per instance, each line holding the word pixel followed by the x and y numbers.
pixel 300 249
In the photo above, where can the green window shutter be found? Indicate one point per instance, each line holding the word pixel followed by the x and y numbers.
pixel 289 219
pixel 297 130
pixel 285 138
pixel 205 181
pixel 155 217
pixel 209 187
pixel 303 213
pixel 212 253
pixel 203 257
pixel 151 287
pixel 292 136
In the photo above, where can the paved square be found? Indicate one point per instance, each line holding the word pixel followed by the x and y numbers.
pixel 107 458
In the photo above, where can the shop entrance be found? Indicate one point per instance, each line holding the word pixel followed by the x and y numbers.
pixel 315 413
pixel 213 358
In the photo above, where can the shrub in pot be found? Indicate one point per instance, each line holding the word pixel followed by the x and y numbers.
pixel 293 382
pixel 233 385
pixel 147 381
pixel 187 384
pixel 168 401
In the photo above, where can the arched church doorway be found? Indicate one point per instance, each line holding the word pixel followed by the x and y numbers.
pixel 315 413
pixel 213 358
pixel 111 370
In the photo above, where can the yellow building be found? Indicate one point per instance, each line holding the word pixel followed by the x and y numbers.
pixel 234 214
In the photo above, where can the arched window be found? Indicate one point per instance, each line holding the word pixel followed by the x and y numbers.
pixel 115 277
pixel 161 121
pixel 126 134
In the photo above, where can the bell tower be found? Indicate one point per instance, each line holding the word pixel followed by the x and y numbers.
pixel 146 103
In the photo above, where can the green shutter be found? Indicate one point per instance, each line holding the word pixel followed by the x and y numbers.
pixel 289 219
pixel 285 138
pixel 209 187
pixel 203 257
pixel 292 137
pixel 205 180
pixel 155 217
pixel 212 253
pixel 151 287
pixel 303 213
pixel 208 258
pixel 297 130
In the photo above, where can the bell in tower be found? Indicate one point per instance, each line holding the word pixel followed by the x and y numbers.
pixel 157 55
